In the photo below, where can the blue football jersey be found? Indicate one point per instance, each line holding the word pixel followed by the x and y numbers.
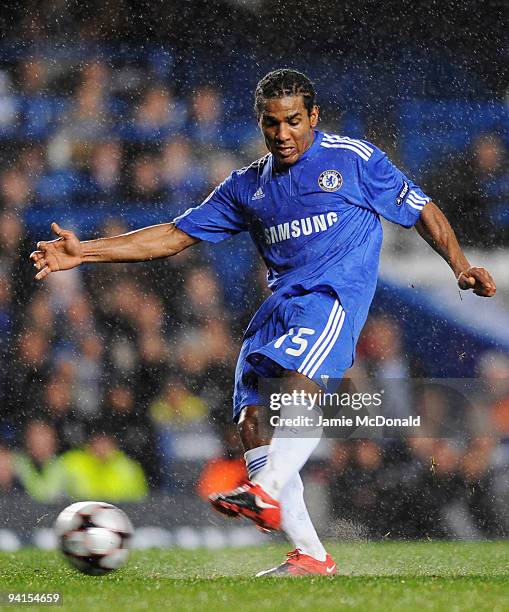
pixel 317 223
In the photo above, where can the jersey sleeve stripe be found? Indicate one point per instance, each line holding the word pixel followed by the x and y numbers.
pixel 359 143
pixel 350 147
pixel 346 139
pixel 415 196
pixel 420 207
pixel 417 202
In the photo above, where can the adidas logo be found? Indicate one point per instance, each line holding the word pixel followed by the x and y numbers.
pixel 258 194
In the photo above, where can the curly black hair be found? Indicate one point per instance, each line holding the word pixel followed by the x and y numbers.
pixel 284 82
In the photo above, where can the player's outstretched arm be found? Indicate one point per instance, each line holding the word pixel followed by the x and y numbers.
pixel 67 251
pixel 434 227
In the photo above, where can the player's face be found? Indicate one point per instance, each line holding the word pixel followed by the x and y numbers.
pixel 287 128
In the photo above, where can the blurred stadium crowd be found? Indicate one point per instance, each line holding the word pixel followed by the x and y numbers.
pixel 106 368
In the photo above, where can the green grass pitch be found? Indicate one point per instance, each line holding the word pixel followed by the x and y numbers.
pixel 388 576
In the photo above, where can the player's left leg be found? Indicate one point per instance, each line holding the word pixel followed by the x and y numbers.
pixel 291 446
pixel 308 343
pixel 309 556
pixel 295 520
pixel 289 450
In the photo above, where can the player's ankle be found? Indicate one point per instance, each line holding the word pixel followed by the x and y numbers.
pixel 270 488
pixel 320 554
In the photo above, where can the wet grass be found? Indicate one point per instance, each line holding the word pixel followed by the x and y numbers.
pixel 388 576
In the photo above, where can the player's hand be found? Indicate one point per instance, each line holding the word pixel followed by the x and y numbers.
pixel 479 280
pixel 63 253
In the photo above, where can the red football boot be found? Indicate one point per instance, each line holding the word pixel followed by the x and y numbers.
pixel 299 564
pixel 251 501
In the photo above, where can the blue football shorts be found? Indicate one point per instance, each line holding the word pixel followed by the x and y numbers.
pixel 311 334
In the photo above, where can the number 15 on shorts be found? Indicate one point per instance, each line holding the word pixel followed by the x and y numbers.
pixel 297 338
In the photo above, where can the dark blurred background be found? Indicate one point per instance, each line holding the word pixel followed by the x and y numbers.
pixel 116 380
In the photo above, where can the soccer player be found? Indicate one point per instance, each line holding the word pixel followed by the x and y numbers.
pixel 312 206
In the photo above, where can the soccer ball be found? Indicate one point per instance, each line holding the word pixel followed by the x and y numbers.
pixel 94 536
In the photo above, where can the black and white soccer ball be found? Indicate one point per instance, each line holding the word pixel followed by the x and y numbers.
pixel 94 536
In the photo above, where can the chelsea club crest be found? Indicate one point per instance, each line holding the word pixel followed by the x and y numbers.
pixel 330 180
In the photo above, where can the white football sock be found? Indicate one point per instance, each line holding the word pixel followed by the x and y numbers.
pixel 295 519
pixel 289 449
pixel 256 458
pixel 296 522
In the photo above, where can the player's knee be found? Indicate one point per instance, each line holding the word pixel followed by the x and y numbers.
pixel 299 382
pixel 249 428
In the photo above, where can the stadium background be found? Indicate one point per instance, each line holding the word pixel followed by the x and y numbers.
pixel 116 380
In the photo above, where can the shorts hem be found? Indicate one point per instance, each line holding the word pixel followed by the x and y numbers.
pixel 272 369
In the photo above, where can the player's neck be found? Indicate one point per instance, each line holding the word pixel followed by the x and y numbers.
pixel 280 168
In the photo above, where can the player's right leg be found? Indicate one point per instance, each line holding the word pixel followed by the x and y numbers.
pixel 309 556
pixel 250 500
pixel 288 452
pixel 274 343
